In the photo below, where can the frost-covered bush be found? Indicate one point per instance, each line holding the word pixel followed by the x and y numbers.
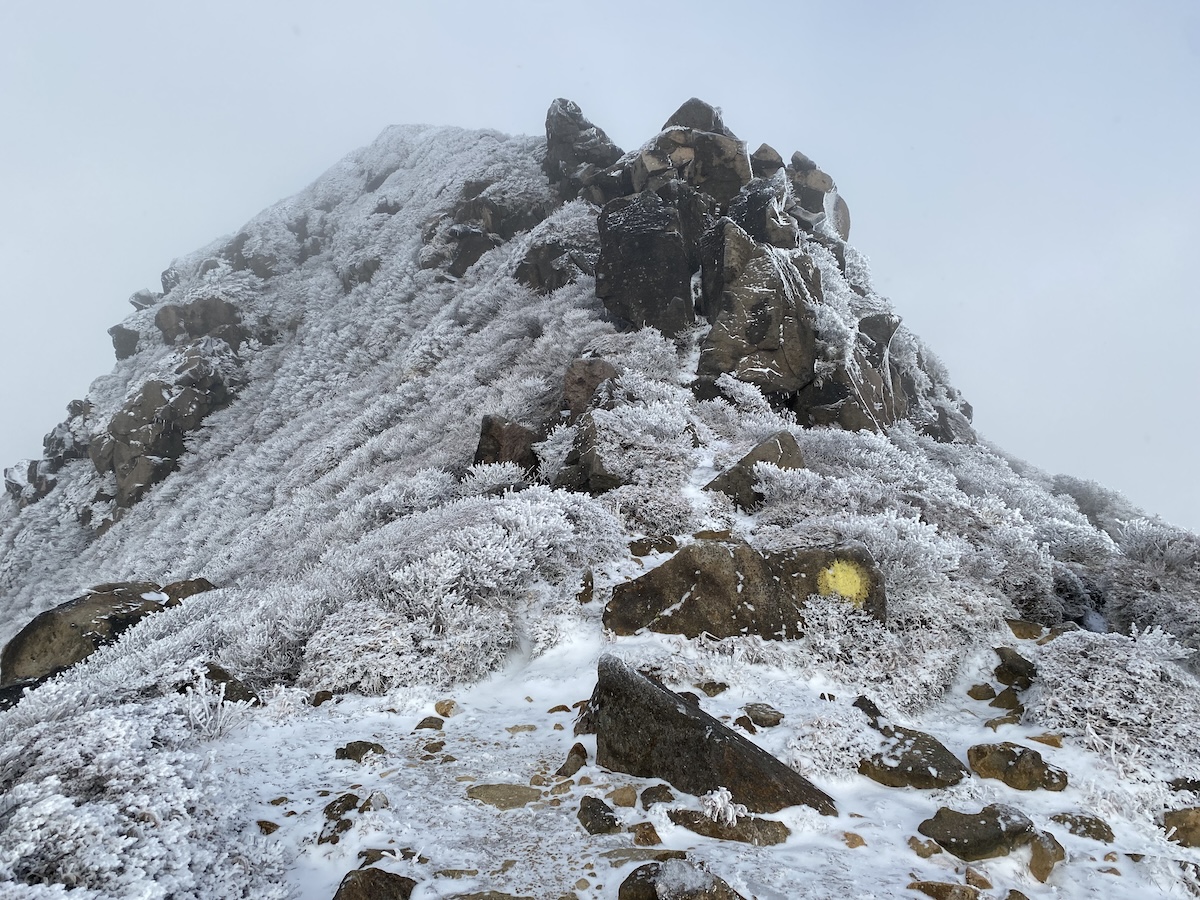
pixel 718 805
pixel 108 803
pixel 1124 696
pixel 210 715
pixel 1161 547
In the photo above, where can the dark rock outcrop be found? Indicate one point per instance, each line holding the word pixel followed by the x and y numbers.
pixel 574 147
pixel 642 274
pixel 205 316
pixel 125 341
pixel 725 589
pixel 60 637
pixel 650 732
pixel 737 482
pixel 503 441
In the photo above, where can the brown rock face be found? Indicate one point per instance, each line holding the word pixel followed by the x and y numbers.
pixel 582 378
pixel 763 325
pixel 503 441
pixel 206 316
pixel 726 589
pixel 647 731
pixel 61 637
pixel 738 481
pixel 642 274
pixel 1019 767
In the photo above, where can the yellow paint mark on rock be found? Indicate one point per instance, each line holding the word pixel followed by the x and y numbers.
pixel 845 578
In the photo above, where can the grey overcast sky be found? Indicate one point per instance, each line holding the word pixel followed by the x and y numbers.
pixel 1023 175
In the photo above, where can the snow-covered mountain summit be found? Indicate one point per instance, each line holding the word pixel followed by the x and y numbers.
pixel 472 410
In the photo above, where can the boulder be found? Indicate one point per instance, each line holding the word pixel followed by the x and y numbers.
pixel 551 263
pixel 642 273
pixel 908 758
pixel 745 830
pixel 60 637
pixel 698 116
pixel 503 441
pixel 765 161
pixel 763 333
pixel 725 251
pixel 840 217
pixel 358 750
pixel 1047 852
pixel 583 468
pixel 647 731
pixel 764 715
pixel 144 299
pixel 582 378
pixel 597 817
pixel 201 317
pixel 859 397
pixel 737 482
pixel 470 242
pixel 124 340
pixel 374 884
pixel 576 760
pixel 178 591
pixel 1019 767
pixel 996 830
pixel 573 142
pixel 674 879
pixel 504 796
pixel 1014 669
pixel 727 588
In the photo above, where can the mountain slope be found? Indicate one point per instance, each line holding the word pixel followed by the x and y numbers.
pixel 296 418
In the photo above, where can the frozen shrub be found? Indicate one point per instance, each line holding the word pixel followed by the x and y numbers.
pixel 1161 547
pixel 1122 695
pixel 718 805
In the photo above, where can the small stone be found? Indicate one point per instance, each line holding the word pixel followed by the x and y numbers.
pixel 656 793
pixel 712 688
pixel 852 840
pixel 977 879
pixel 1014 669
pixel 434 747
pixel 335 809
pixel 1013 718
pixel 561 708
pixel 1083 825
pixel 377 800
pixel 747 829
pixel 558 726
pixel 645 835
pixel 563 787
pixel 358 750
pixel 764 715
pixel 597 817
pixel 372 855
pixel 447 708
pixel 646 546
pixel 923 849
pixel 1006 699
pixel 433 723
pixel 1050 740
pixel 576 760
pixel 624 796
pixel 278 801
pixel 981 692
pixel 520 729
pixel 1047 853
pixel 504 796
pixel 539 781
pixel 744 723
pixel 1025 631
pixel 267 827
pixel 940 890
pixel 1110 870
pixel 321 697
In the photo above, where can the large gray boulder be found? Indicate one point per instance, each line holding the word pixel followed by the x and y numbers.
pixel 728 589
pixel 60 637
pixel 642 274
pixel 647 731
pixel 502 441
